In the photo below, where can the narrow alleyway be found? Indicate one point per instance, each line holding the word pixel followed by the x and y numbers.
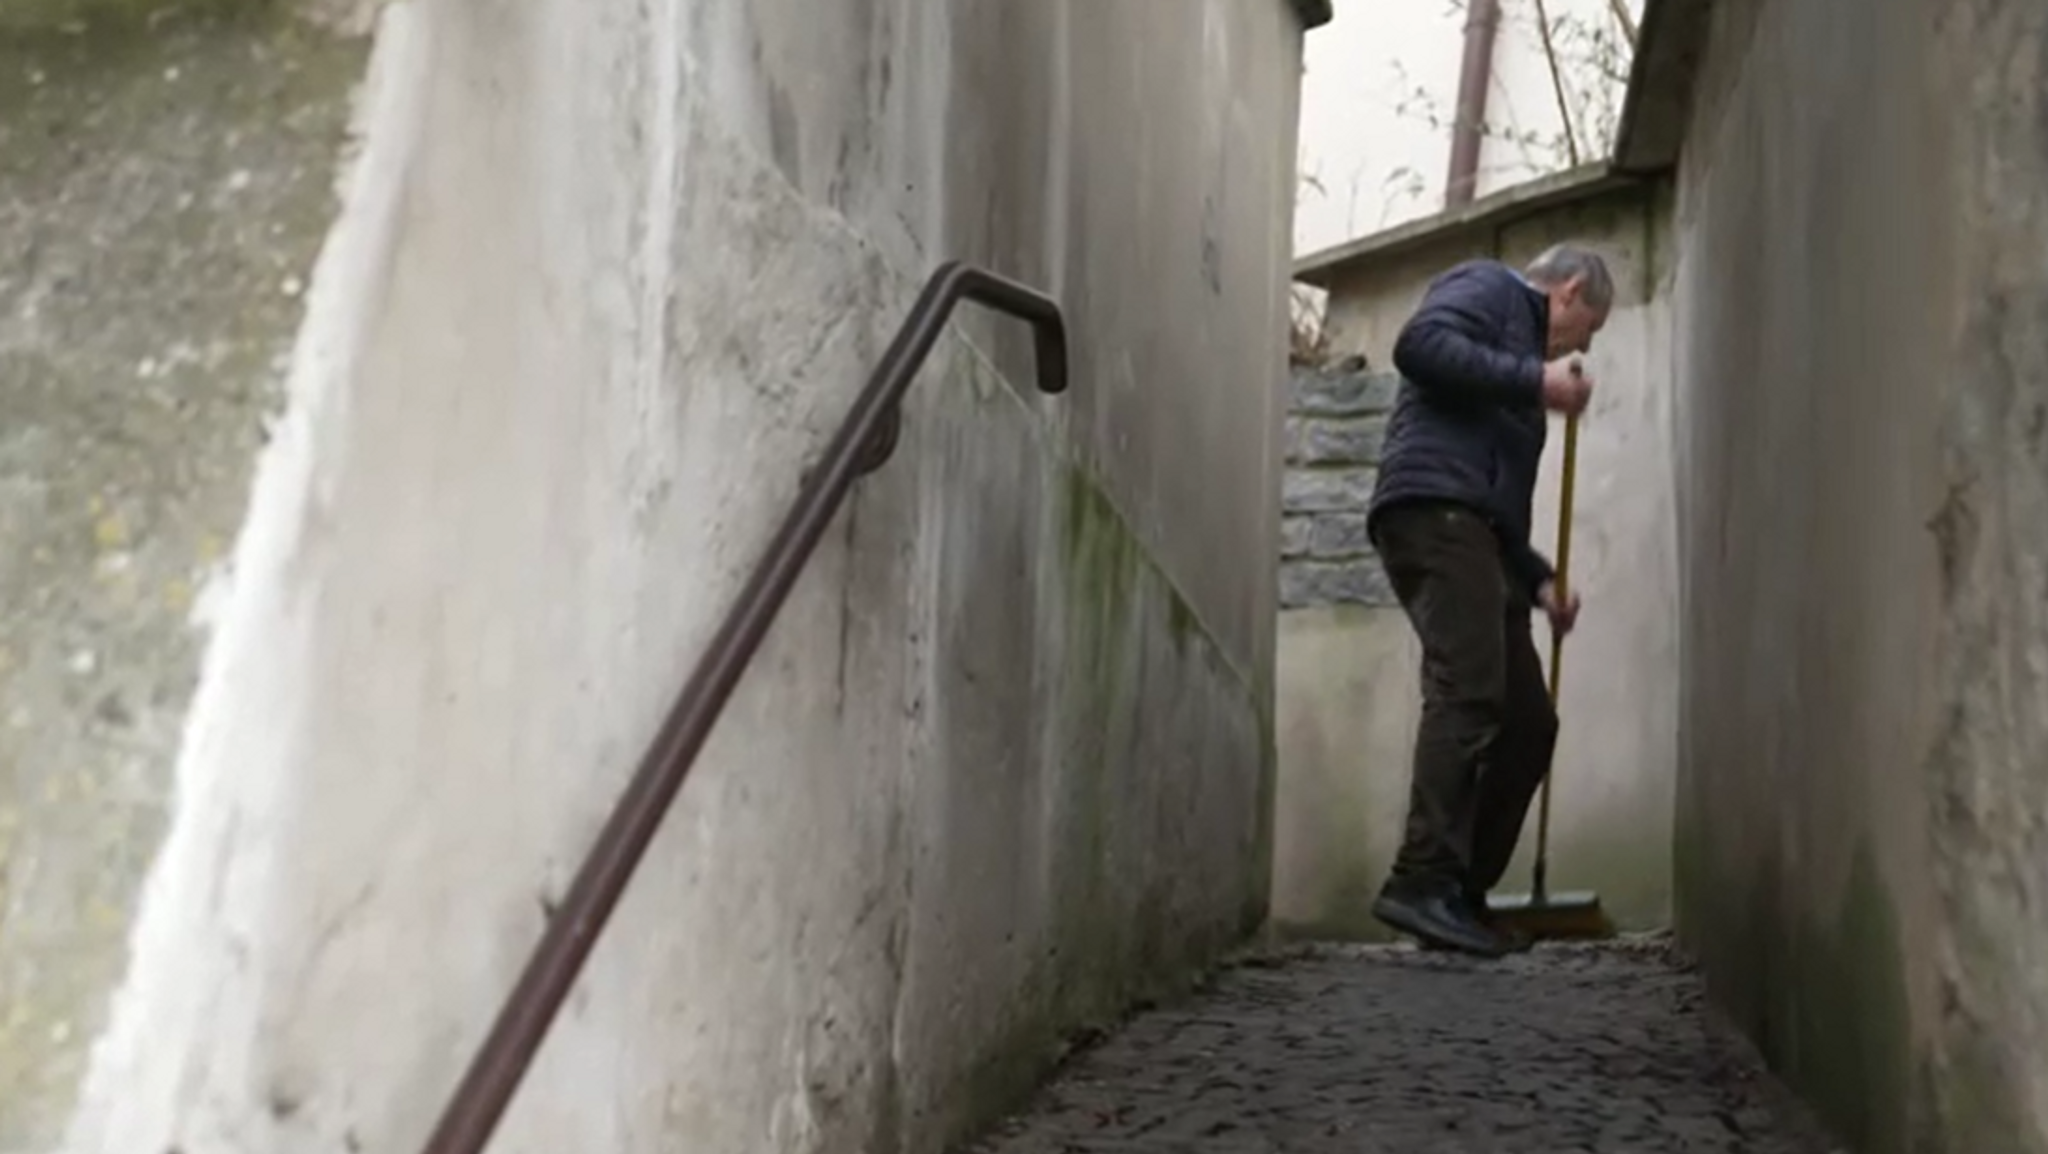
pixel 1386 1050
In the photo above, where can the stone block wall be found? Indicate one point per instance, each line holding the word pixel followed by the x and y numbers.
pixel 1336 419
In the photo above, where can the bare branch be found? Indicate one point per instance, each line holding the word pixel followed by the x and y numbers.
pixel 1627 22
pixel 1564 110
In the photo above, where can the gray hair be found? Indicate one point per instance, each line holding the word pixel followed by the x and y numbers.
pixel 1560 263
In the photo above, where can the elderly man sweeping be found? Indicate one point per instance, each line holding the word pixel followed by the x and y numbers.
pixel 1487 355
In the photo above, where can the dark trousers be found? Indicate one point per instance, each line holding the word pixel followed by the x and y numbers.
pixel 1488 728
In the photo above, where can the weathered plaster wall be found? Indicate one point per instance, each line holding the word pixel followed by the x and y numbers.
pixel 601 281
pixel 1862 283
pixel 1349 696
pixel 165 179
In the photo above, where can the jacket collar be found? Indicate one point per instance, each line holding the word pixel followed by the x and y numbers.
pixel 1539 299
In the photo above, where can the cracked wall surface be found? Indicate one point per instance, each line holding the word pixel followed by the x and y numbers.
pixel 1862 285
pixel 598 283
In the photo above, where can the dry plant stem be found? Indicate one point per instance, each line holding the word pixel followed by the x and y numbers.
pixel 1564 111
pixel 1627 22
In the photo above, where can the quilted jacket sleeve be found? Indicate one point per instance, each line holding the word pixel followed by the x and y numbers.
pixel 1447 347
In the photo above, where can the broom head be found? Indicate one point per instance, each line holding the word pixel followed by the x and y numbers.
pixel 1573 915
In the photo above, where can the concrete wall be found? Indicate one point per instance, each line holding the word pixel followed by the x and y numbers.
pixel 1349 691
pixel 1346 717
pixel 1332 832
pixel 599 282
pixel 1863 278
pixel 165 181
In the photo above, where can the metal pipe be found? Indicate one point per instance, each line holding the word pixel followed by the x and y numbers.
pixel 860 445
pixel 1475 80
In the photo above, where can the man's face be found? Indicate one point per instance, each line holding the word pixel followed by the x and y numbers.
pixel 1573 322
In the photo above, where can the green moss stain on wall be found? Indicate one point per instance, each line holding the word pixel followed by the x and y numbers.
pixel 1118 607
pixel 1125 634
pixel 1824 997
pixel 1846 1038
pixel 1101 569
pixel 167 174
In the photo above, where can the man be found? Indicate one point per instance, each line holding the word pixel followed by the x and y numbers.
pixel 1487 354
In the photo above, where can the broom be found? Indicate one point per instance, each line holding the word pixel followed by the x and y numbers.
pixel 1540 913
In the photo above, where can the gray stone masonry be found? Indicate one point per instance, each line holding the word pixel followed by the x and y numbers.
pixel 1601 1049
pixel 1336 419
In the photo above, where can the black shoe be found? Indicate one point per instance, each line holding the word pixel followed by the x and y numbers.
pixel 1438 918
pixel 1515 940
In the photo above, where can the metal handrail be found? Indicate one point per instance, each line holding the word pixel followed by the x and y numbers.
pixel 864 442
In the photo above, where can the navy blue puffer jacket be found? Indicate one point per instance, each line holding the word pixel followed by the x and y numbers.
pixel 1468 423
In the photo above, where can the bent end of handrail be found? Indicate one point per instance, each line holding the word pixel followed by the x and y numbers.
pixel 864 441
pixel 955 279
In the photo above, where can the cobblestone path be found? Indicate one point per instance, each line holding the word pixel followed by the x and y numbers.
pixel 1387 1050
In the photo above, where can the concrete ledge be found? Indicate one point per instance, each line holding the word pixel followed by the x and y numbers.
pixel 1660 85
pixel 1324 267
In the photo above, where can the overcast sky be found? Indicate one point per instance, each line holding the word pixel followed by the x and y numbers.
pixel 1366 136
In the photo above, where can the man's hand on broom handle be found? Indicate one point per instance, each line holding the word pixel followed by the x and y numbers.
pixel 1561 605
pixel 1566 387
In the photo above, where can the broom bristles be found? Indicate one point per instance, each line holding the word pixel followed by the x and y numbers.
pixel 1563 915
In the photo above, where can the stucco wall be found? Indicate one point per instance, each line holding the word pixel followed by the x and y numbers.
pixel 1863 278
pixel 1349 691
pixel 598 284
